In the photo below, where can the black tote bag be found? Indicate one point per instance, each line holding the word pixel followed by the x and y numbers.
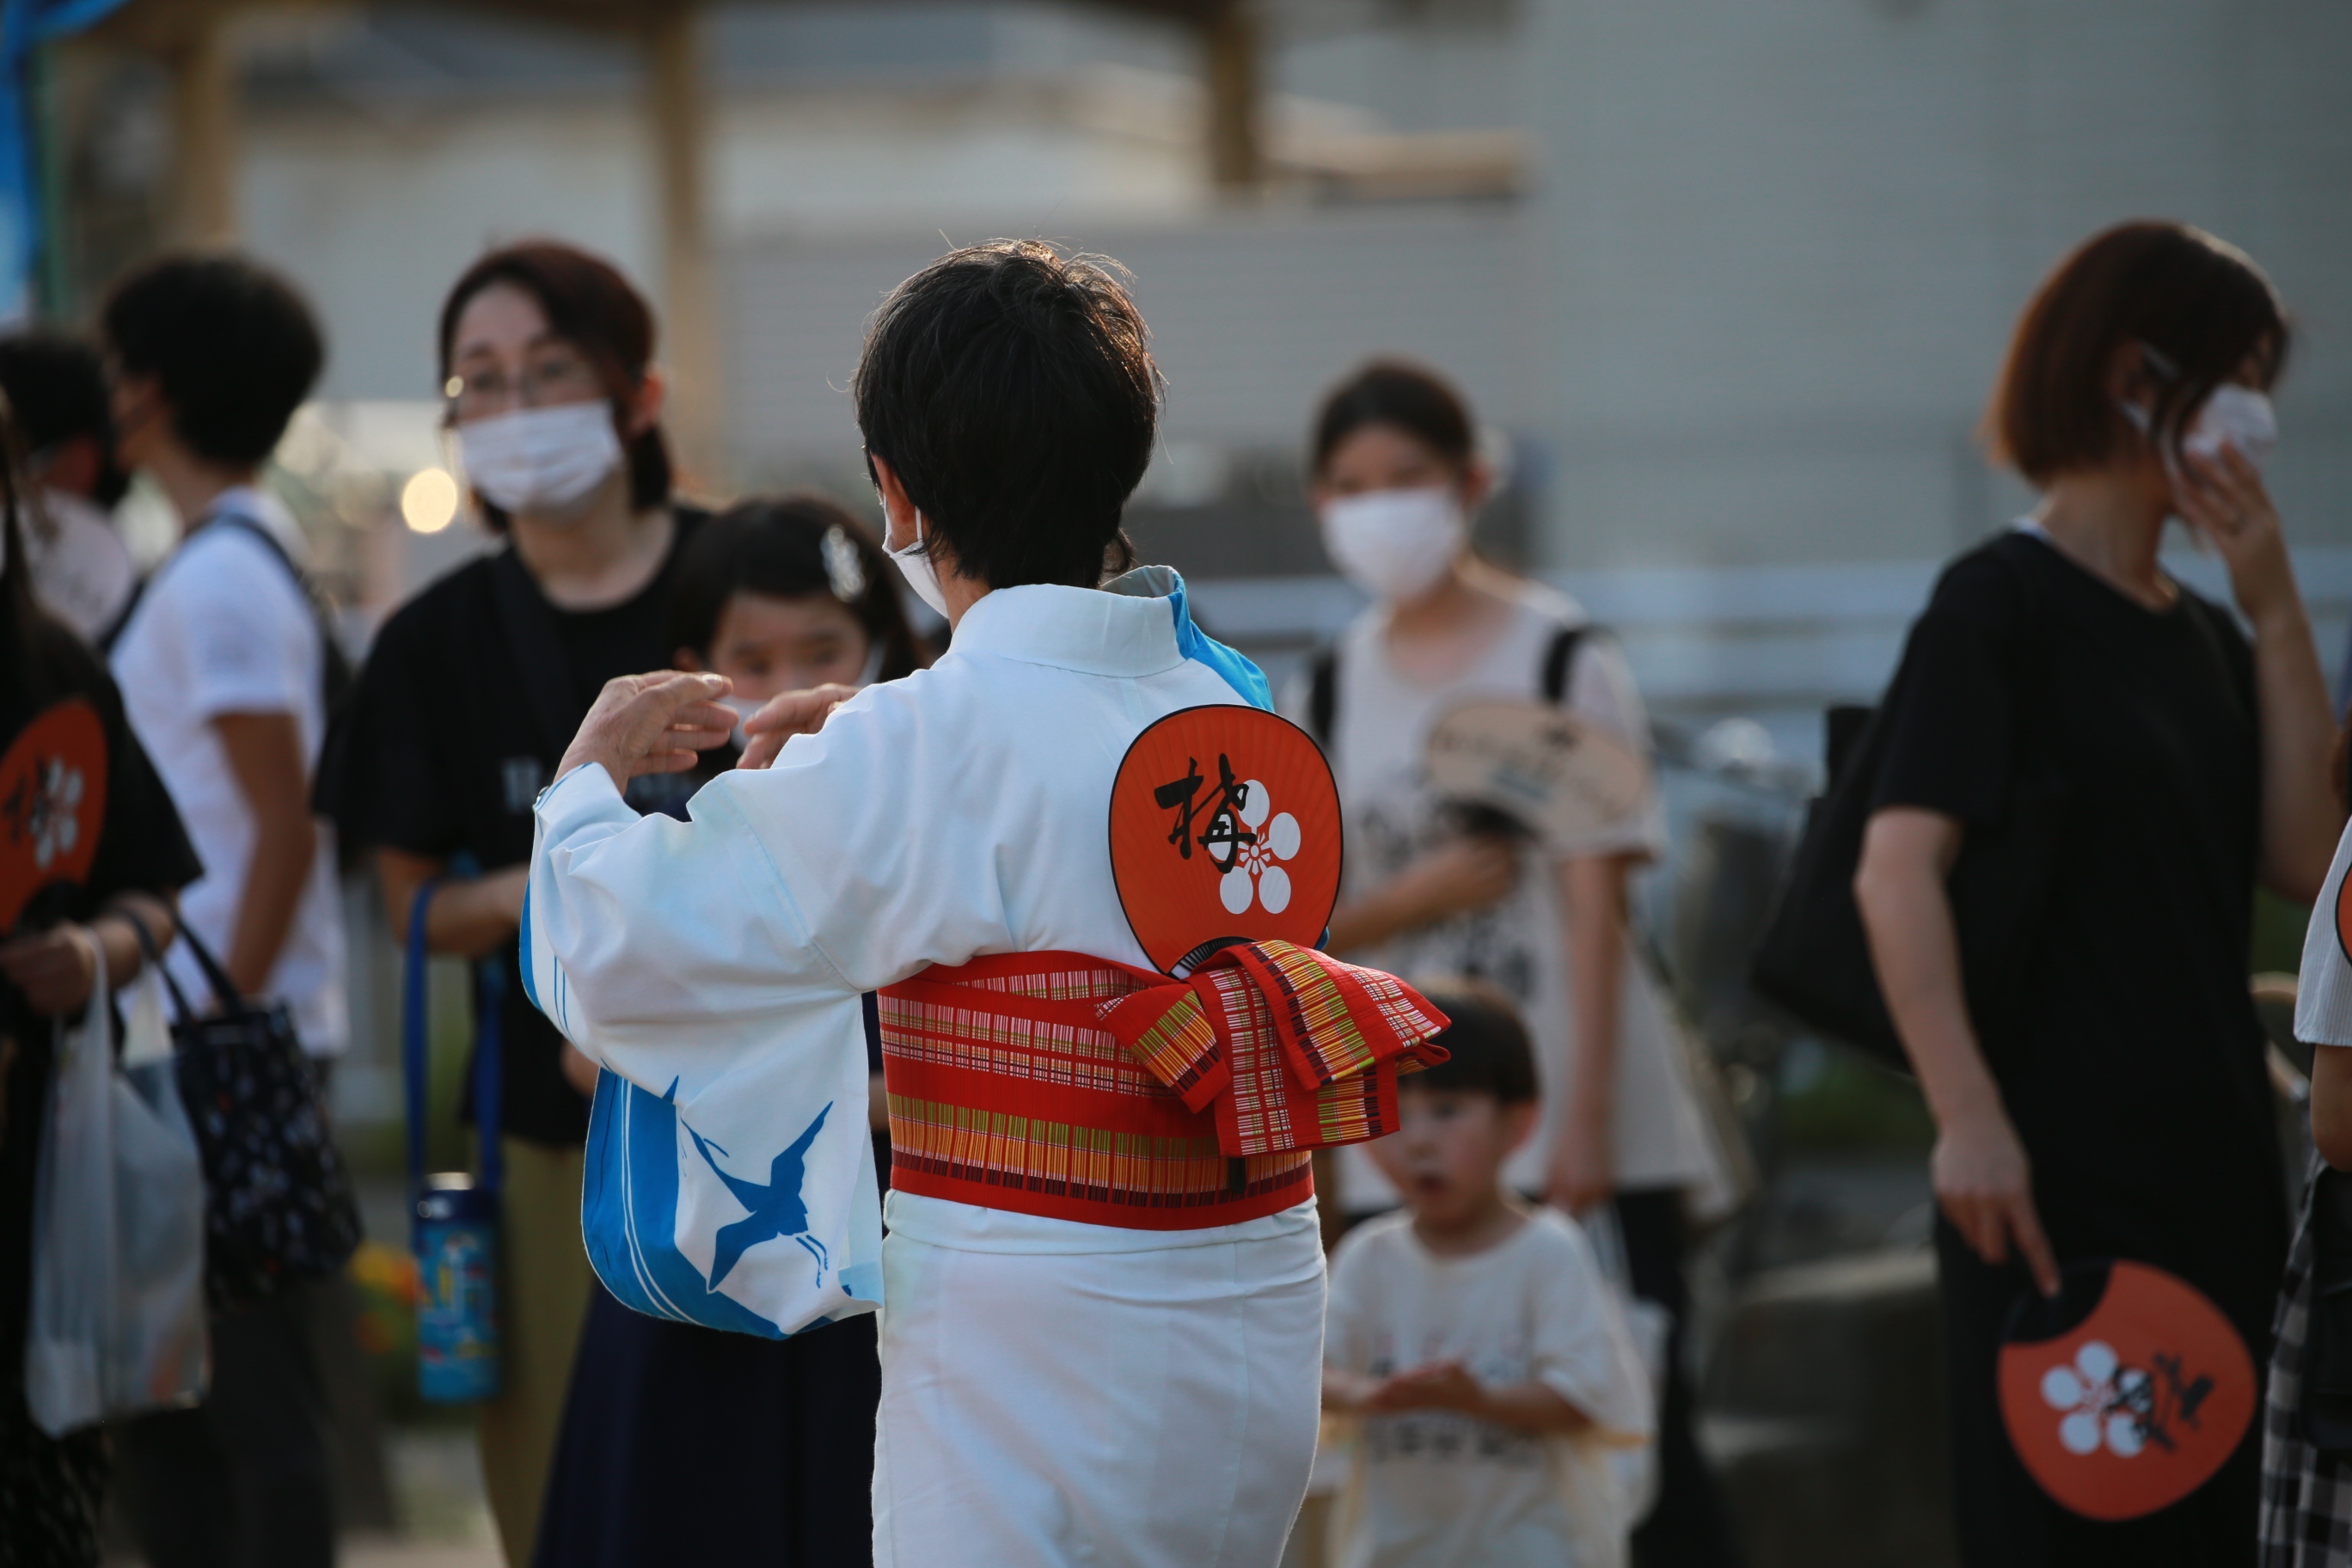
pixel 1814 959
pixel 278 1203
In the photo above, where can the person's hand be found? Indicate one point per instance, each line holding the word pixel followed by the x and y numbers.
pixel 1440 1385
pixel 1985 1186
pixel 506 890
pixel 787 714
pixel 1457 877
pixel 651 724
pixel 579 1071
pixel 55 969
pixel 2222 498
pixel 1583 1173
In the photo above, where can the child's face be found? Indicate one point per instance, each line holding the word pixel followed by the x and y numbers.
pixel 766 644
pixel 1446 1155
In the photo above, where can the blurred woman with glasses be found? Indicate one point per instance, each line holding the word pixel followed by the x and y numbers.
pixel 470 694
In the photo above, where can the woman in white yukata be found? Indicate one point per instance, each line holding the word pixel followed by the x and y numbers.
pixel 1101 1339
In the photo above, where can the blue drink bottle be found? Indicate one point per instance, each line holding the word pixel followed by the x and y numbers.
pixel 457 1239
pixel 454 1225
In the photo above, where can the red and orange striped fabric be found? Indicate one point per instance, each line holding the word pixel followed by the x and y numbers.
pixel 1076 1088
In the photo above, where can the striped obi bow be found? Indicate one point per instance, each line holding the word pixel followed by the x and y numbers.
pixel 1077 1088
pixel 1291 1050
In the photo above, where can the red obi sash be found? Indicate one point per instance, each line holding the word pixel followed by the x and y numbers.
pixel 1076 1087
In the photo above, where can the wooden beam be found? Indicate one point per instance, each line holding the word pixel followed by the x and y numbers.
pixel 1229 42
pixel 204 122
pixel 678 111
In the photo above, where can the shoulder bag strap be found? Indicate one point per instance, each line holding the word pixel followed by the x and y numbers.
pixel 1323 695
pixel 1560 658
pixel 335 676
pixel 414 1063
pixel 416 1059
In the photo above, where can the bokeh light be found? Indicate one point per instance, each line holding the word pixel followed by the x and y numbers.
pixel 428 501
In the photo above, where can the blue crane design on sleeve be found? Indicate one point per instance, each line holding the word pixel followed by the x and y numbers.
pixel 776 1209
pixel 629 1205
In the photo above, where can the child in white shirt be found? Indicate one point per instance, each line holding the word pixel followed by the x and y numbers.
pixel 1475 1339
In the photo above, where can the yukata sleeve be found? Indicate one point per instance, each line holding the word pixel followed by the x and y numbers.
pixel 645 939
pixel 1583 1347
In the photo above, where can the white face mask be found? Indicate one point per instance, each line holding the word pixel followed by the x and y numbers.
pixel 541 460
pixel 2238 416
pixel 915 565
pixel 1395 544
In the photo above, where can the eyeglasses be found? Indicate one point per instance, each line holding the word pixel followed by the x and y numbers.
pixel 557 378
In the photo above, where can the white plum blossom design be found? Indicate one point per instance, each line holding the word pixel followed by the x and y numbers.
pixel 57 827
pixel 1257 876
pixel 2101 1400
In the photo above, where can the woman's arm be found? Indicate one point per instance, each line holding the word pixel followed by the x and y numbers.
pixel 2223 500
pixel 2331 1104
pixel 467 918
pixel 1533 1407
pixel 1583 1162
pixel 1979 1170
pixel 265 756
pixel 1454 879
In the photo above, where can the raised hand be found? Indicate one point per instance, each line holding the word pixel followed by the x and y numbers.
pixel 651 724
pixel 787 714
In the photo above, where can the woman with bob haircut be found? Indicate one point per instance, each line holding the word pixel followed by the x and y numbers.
pixel 2119 1107
pixel 1102 1337
pixel 470 693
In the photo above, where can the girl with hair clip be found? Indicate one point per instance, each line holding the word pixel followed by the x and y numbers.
pixel 51 1488
pixel 778 1435
pixel 470 694
pixel 1619 1141
pixel 2117 1104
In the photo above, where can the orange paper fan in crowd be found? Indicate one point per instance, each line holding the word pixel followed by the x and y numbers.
pixel 2125 1392
pixel 52 803
pixel 1224 826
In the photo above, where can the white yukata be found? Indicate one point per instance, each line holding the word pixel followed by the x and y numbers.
pixel 1054 1392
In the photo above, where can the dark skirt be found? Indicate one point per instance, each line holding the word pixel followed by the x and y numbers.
pixel 683 1443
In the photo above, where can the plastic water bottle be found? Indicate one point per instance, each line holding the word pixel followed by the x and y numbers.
pixel 456 1312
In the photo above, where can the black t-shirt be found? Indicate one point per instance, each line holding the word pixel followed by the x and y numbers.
pixel 2136 1075
pixel 447 740
pixel 141 848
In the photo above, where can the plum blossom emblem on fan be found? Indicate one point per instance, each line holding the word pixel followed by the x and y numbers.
pixel 1257 873
pixel 1230 818
pixel 2123 1408
pixel 47 809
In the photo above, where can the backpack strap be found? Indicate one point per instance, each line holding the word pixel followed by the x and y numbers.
pixel 1560 658
pixel 335 674
pixel 1323 694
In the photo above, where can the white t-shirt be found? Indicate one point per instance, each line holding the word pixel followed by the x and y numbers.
pixel 1435 1489
pixel 2323 991
pixel 223 628
pixel 1378 750
pixel 82 572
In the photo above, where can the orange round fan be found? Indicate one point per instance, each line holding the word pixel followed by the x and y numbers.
pixel 52 803
pixel 1224 826
pixel 2125 1392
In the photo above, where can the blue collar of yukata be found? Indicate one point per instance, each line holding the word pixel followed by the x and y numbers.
pixel 1166 582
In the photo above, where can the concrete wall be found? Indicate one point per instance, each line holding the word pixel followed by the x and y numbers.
pixel 1785 245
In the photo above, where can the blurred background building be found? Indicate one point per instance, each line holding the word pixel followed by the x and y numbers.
pixel 1729 283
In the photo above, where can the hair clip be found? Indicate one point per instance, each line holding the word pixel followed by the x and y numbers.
pixel 843 570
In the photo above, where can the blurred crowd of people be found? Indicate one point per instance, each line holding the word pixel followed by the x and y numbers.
pixel 1506 1378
